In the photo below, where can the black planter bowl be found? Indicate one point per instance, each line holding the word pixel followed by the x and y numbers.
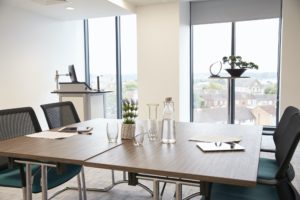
pixel 236 72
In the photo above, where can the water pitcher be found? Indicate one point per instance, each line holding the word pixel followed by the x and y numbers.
pixel 168 122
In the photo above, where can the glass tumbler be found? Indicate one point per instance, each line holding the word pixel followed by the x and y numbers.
pixel 139 135
pixel 152 129
pixel 112 131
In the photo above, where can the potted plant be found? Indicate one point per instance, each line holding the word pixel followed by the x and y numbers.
pixel 129 114
pixel 236 61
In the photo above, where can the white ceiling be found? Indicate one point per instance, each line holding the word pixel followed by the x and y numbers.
pixel 83 9
pixel 148 2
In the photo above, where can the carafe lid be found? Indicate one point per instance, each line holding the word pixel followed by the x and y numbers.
pixel 168 99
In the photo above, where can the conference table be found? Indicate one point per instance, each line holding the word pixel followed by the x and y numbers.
pixel 179 163
pixel 71 150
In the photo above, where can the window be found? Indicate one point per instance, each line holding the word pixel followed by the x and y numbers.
pixel 129 56
pixel 111 48
pixel 210 95
pixel 255 97
pixel 257 41
pixel 102 59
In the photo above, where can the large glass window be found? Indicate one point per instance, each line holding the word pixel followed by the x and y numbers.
pixel 210 95
pixel 129 56
pixel 255 97
pixel 103 50
pixel 102 59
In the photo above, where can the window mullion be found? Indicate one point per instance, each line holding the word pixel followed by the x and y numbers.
pixel 86 51
pixel 118 69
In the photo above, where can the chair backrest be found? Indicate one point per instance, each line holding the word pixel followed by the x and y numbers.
pixel 60 114
pixel 283 122
pixel 287 145
pixel 286 190
pixel 17 122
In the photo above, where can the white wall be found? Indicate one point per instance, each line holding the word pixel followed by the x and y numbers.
pixel 290 71
pixel 32 48
pixel 158 56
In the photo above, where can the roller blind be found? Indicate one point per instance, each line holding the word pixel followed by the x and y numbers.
pixel 217 11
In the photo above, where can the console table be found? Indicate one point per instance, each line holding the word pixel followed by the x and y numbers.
pixel 89 103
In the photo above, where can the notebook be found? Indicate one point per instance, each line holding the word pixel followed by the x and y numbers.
pixel 219 146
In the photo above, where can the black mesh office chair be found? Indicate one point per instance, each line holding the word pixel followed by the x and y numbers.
pixel 280 186
pixel 19 122
pixel 268 167
pixel 271 130
pixel 60 114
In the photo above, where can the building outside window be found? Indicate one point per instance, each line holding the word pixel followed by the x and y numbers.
pixel 255 97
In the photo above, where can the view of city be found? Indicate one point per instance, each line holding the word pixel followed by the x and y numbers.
pixel 255 101
pixel 255 97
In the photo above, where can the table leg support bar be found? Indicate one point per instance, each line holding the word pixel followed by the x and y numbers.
pixel 131 181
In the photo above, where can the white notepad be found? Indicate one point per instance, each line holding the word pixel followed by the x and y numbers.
pixel 51 135
pixel 219 146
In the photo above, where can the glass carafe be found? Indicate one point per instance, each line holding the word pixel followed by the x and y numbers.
pixel 168 123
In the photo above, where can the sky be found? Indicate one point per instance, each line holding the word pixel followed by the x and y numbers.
pixel 256 41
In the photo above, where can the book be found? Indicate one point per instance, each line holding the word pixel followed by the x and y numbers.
pixel 219 146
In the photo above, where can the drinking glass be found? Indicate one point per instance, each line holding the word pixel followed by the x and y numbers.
pixel 139 135
pixel 112 131
pixel 152 129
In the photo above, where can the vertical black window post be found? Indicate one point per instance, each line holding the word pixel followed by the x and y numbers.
pixel 231 83
pixel 86 51
pixel 118 69
pixel 191 70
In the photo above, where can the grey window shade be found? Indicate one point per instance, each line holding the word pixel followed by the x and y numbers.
pixel 217 11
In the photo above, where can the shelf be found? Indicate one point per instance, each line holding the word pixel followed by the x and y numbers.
pixel 227 77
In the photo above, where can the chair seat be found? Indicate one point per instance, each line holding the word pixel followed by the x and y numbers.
pixel 267 168
pixel 55 178
pixel 229 192
pixel 11 177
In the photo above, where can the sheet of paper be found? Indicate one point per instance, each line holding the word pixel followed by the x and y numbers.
pixel 51 135
pixel 215 138
pixel 219 146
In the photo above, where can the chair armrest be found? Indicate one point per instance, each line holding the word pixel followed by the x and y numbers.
pixel 268 150
pixel 268 132
pixel 269 128
pixel 267 181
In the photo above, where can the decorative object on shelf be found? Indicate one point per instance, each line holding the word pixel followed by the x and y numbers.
pixel 215 69
pixel 129 114
pixel 168 123
pixel 236 61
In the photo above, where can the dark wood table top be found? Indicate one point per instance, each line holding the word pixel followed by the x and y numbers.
pixel 75 149
pixel 185 160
